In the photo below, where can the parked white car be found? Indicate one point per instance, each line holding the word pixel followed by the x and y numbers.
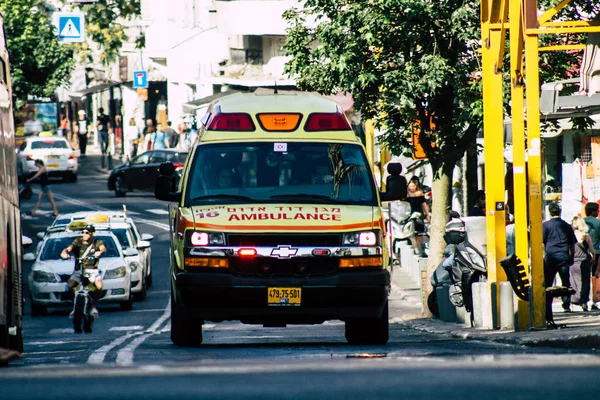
pixel 50 273
pixel 128 235
pixel 59 157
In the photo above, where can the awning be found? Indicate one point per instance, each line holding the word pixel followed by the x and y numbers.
pixel 94 89
pixel 192 106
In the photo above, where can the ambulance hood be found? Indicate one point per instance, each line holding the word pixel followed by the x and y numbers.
pixel 286 217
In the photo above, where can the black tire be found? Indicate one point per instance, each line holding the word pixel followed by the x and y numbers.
pixel 128 304
pixel 149 281
pixel 184 333
pixel 78 313
pixel 141 296
pixel 37 310
pixel 369 331
pixel 120 190
pixel 88 321
pixel 71 177
pixel 432 303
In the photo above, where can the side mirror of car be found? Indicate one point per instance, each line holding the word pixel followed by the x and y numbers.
pixel 40 235
pixel 142 244
pixel 26 242
pixel 29 257
pixel 395 184
pixel 147 237
pixel 130 251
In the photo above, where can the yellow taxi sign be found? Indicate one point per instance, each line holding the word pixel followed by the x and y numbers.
pixel 77 225
pixel 97 218
pixel 282 122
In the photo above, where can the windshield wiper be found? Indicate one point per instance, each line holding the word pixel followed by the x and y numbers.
pixel 224 196
pixel 302 196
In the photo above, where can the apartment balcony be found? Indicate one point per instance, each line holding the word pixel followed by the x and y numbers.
pixel 252 17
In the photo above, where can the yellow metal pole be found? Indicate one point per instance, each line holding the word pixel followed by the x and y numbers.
pixel 370 141
pixel 534 174
pixel 493 127
pixel 518 142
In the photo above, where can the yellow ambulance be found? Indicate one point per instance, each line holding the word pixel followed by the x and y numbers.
pixel 277 221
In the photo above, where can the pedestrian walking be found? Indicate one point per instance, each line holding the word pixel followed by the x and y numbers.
pixel 160 140
pixel 42 173
pixel 583 257
pixel 172 135
pixel 559 241
pixel 147 135
pixel 103 125
pixel 82 132
pixel 591 219
pixel 131 136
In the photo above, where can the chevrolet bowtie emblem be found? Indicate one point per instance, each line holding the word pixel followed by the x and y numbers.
pixel 284 251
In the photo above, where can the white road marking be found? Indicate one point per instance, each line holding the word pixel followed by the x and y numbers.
pixel 98 356
pixel 127 328
pixel 125 355
pixel 56 342
pixel 158 211
pixel 154 327
pixel 61 330
pixel 37 353
pixel 149 310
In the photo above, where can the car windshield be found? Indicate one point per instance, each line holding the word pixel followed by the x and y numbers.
pixel 54 246
pixel 49 144
pixel 122 236
pixel 292 172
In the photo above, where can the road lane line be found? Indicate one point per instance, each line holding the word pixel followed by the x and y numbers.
pixel 159 211
pixel 125 355
pixel 61 330
pixel 154 327
pixel 127 328
pixel 98 356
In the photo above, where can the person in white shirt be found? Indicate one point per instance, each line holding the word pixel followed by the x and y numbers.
pixel 132 134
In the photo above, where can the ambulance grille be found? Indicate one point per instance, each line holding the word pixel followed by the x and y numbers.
pixel 274 240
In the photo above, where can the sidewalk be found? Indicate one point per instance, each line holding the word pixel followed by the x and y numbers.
pixel 582 329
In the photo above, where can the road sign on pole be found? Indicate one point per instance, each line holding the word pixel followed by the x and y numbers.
pixel 140 79
pixel 71 27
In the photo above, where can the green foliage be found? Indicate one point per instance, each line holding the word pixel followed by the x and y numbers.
pixel 402 61
pixel 39 63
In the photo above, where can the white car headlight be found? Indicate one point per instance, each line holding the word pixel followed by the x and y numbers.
pixel 134 266
pixel 116 273
pixel 44 277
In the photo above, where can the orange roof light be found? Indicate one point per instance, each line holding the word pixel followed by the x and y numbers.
pixel 279 122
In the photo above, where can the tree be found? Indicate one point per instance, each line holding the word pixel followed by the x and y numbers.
pixel 404 62
pixel 39 63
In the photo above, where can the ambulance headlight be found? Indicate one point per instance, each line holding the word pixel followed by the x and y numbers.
pixel 206 239
pixel 369 238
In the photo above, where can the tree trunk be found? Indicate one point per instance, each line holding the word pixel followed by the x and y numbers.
pixel 441 189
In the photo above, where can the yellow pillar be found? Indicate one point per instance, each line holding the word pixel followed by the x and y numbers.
pixel 370 141
pixel 493 128
pixel 534 174
pixel 518 142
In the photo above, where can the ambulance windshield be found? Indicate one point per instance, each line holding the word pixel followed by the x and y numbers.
pixel 292 172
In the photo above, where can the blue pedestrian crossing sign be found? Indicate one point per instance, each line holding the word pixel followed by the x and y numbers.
pixel 140 79
pixel 70 27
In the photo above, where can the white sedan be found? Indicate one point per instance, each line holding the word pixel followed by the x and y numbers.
pixel 50 273
pixel 55 151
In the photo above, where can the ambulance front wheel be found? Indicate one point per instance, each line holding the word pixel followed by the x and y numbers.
pixel 184 332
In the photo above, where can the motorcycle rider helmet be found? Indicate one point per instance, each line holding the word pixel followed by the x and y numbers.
pixel 456 232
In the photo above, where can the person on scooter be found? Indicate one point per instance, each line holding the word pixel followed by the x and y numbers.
pixel 416 199
pixel 81 247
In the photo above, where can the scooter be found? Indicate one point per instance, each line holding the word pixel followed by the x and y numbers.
pixel 406 226
pixel 82 302
pixel 463 266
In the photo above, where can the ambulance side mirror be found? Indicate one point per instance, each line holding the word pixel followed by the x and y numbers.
pixel 163 187
pixel 395 184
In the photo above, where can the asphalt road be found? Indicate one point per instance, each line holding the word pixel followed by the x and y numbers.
pixel 129 355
